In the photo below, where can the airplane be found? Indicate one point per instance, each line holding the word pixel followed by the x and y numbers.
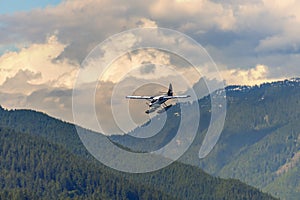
pixel 157 101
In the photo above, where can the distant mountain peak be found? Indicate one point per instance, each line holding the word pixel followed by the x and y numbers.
pixel 295 80
pixel 238 88
pixel 286 82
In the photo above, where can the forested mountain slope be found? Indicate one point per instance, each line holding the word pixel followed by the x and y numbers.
pixel 260 142
pixel 42 157
pixel 33 168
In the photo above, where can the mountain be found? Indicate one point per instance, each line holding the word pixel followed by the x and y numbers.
pixel 33 168
pixel 260 142
pixel 43 158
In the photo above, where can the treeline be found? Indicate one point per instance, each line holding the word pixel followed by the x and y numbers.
pixel 33 168
pixel 261 134
pixel 43 158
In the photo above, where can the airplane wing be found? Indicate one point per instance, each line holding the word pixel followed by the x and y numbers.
pixel 177 97
pixel 139 97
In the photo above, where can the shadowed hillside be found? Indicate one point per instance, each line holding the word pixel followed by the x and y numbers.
pixel 43 158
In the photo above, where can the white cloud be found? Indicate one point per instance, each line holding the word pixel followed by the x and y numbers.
pixel 83 23
pixel 31 77
pixel 36 65
pixel 131 63
pixel 253 76
pixel 20 82
pixel 199 14
pixel 146 23
pixel 276 21
pixel 268 26
pixel 238 34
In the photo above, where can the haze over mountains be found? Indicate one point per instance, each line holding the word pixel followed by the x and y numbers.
pixel 44 157
pixel 260 142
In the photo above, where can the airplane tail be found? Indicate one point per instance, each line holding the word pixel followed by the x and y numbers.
pixel 170 91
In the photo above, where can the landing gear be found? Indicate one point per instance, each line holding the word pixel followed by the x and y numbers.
pixel 166 106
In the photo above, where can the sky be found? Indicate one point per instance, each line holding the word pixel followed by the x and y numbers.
pixel 43 44
pixel 9 7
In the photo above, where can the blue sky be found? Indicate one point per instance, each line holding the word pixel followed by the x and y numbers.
pixel 12 6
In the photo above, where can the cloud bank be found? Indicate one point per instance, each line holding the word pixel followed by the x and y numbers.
pixel 41 50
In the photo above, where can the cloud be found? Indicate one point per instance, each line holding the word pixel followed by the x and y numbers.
pixel 238 30
pixel 35 65
pixel 274 22
pixel 32 78
pixel 41 50
pixel 147 68
pixel 20 82
pixel 83 24
pixel 197 15
pixel 253 76
pixel 285 43
pixel 146 23
pixel 138 63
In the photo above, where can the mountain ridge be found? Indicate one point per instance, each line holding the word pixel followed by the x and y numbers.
pixel 176 181
pixel 263 125
pixel 258 138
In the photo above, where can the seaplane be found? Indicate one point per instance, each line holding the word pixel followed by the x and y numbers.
pixel 156 102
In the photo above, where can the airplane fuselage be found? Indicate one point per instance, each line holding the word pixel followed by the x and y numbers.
pixel 157 101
